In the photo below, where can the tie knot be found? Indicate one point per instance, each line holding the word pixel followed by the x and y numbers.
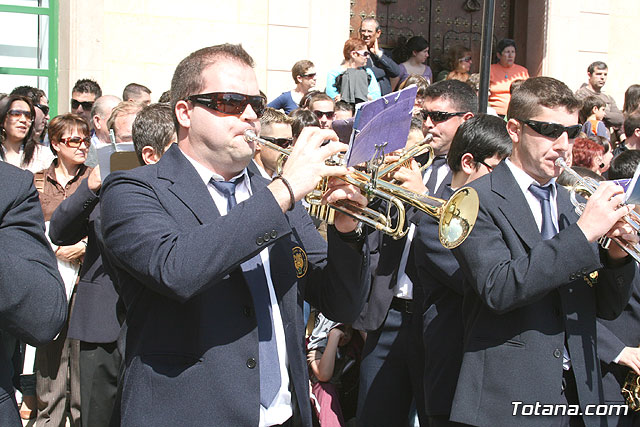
pixel 438 161
pixel 228 188
pixel 541 193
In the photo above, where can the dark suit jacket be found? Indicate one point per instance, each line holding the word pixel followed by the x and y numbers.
pixel 613 337
pixel 383 68
pixel 192 338
pixel 525 295
pixel 94 317
pixel 441 282
pixel 33 302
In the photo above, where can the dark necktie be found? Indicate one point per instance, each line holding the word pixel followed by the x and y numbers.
pixel 543 194
pixel 254 275
pixel 438 162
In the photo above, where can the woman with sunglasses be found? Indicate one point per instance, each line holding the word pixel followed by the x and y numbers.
pixel 17 141
pixel 353 82
pixel 459 63
pixel 412 56
pixel 70 138
pixel 304 76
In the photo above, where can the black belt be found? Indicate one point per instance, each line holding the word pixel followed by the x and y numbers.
pixel 402 305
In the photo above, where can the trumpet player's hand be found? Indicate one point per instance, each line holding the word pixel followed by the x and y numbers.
pixel 410 178
pixel 340 190
pixel 624 231
pixel 630 357
pixel 306 165
pixel 603 211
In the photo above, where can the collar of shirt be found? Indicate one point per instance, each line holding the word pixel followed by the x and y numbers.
pixel 524 181
pixel 243 190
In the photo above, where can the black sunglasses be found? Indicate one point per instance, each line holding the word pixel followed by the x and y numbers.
pixel 86 105
pixel 310 75
pixel 280 142
pixel 230 103
pixel 76 141
pixel 486 165
pixel 440 116
pixel 329 114
pixel 552 130
pixel 43 108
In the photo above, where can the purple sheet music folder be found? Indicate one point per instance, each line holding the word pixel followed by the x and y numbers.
pixel 385 120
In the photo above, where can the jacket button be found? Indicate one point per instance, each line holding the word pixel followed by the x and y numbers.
pixel 247 311
pixel 251 363
pixel 259 241
pixel 266 237
pixel 557 353
pixel 274 234
pixel 572 277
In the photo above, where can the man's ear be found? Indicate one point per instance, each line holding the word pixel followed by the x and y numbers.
pixel 183 113
pixel 468 163
pixel 467 116
pixel 514 129
pixel 149 155
pixel 96 122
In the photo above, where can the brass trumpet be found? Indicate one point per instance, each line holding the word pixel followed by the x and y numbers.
pixel 456 216
pixel 631 391
pixel 585 187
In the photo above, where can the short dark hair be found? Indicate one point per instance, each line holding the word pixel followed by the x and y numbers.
pixel 28 142
pixel 459 94
pixel 31 92
pixel 482 136
pixel 631 123
pixel 503 44
pixel 300 68
pixel 588 104
pixel 66 122
pixel 624 165
pixel 153 127
pixel 537 92
pixel 343 105
pixel 319 96
pixel 301 119
pixel 165 97
pixel 187 78
pixel 134 89
pixel 596 65
pixel 87 86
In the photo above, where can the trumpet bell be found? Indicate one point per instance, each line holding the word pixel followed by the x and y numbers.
pixel 458 217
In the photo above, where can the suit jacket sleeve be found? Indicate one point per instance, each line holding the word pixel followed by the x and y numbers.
pixel 507 278
pixel 33 303
pixel 181 261
pixel 70 221
pixel 387 64
pixel 609 345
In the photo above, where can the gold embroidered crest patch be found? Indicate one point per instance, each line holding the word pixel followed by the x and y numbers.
pixel 300 261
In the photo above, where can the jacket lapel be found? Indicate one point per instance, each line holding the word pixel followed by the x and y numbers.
pixel 514 206
pixel 566 211
pixel 187 185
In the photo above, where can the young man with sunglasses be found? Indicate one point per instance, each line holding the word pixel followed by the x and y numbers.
pixel 532 297
pixel 214 261
pixel 392 361
pixel 83 95
pixel 479 144
pixel 323 107
pixel 275 127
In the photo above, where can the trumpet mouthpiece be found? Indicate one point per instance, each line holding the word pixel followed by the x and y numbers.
pixel 560 162
pixel 250 135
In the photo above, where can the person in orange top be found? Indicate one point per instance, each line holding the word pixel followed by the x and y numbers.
pixel 503 73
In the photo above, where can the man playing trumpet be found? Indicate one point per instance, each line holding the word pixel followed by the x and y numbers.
pixel 530 313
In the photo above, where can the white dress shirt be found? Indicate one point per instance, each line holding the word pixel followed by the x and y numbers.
pixel 280 409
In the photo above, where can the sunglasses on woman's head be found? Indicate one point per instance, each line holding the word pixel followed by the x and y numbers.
pixel 230 103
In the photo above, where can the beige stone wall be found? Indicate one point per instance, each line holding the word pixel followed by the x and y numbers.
pixel 579 33
pixel 120 41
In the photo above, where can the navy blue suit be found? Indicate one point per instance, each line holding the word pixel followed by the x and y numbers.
pixel 442 283
pixel 525 296
pixel 33 302
pixel 191 353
